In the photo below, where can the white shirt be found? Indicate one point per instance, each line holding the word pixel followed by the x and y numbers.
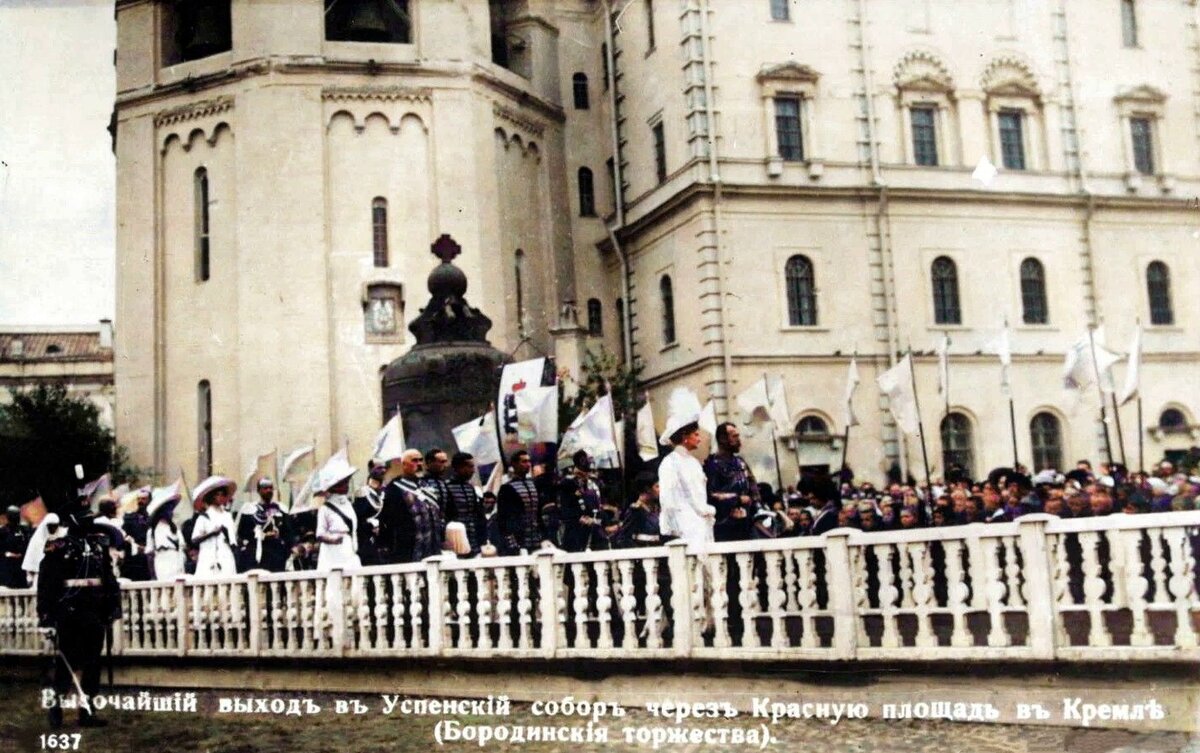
pixel 683 493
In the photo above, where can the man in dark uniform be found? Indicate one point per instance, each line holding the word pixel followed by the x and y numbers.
pixel 411 515
pixel 437 470
pixel 14 540
pixel 78 597
pixel 136 525
pixel 463 502
pixel 518 507
pixel 367 508
pixel 579 504
pixel 732 489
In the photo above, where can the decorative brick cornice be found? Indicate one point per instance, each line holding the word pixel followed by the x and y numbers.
pixel 193 111
pixel 376 94
pixel 517 119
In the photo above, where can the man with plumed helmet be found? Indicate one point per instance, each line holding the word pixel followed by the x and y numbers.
pixel 682 485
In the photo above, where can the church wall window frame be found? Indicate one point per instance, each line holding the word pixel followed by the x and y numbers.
pixel 202 201
pixel 781 84
pixel 1035 304
pixel 586 185
pixel 800 285
pixel 595 318
pixel 1129 24
pixel 1046 441
pixel 579 91
pixel 1142 112
pixel 387 22
pixel 179 24
pixel 383 312
pixel 780 11
pixel 789 127
pixel 1158 294
pixel 924 85
pixel 666 299
pixel 658 140
pixel 379 231
pixel 204 427
pixel 1013 102
pixel 957 433
pixel 946 299
pixel 648 9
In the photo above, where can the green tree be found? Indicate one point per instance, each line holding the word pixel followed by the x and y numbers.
pixel 44 434
pixel 600 372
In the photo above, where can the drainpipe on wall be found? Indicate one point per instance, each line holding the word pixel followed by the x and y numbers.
pixel 618 194
pixel 715 177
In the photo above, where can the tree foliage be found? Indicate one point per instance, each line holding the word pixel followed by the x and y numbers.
pixel 600 372
pixel 44 434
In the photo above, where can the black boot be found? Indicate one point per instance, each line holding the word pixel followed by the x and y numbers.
pixel 54 716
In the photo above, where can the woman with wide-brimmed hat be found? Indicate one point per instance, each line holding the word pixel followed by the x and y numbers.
pixel 337 526
pixel 214 532
pixel 163 541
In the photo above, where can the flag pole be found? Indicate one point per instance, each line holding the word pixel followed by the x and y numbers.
pixel 1141 438
pixel 912 370
pixel 1100 391
pixel 619 441
pixel 1012 425
pixel 1120 433
pixel 774 439
pixel 500 439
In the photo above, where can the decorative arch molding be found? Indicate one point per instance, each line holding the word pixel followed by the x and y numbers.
pixel 1143 94
pixel 195 136
pixel 507 140
pixel 395 121
pixel 1052 410
pixel 1010 75
pixel 517 120
pixel 790 72
pixel 377 94
pixel 804 413
pixel 192 111
pixel 923 70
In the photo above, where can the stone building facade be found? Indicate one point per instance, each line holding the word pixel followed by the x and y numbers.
pixel 719 189
pixel 79 358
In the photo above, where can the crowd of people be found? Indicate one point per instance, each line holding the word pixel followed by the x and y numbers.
pixel 426 503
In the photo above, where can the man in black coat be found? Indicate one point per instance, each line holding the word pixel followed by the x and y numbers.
pixel 14 540
pixel 79 598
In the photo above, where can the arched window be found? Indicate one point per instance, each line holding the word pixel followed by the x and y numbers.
pixel 200 198
pixel 579 85
pixel 957 443
pixel 1033 292
pixel 812 426
pixel 379 231
pixel 518 270
pixel 801 292
pixel 1158 286
pixel 667 296
pixel 595 320
pixel 204 426
pixel 1171 420
pixel 621 328
pixel 945 292
pixel 587 193
pixel 1045 434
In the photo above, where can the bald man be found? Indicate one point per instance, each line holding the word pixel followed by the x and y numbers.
pixel 411 521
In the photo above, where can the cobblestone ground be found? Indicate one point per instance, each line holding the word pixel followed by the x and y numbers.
pixel 22 724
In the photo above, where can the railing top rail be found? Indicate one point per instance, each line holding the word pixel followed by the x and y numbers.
pixel 1122 521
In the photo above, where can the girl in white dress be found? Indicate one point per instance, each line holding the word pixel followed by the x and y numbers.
pixel 214 532
pixel 164 542
pixel 337 526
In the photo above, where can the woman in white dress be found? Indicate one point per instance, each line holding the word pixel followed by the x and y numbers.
pixel 683 489
pixel 337 526
pixel 164 541
pixel 214 532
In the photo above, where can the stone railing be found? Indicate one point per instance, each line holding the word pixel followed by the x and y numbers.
pixel 1115 588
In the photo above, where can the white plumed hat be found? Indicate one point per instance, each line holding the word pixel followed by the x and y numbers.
pixel 683 408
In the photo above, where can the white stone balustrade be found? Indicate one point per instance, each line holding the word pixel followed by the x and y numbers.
pixel 1115 588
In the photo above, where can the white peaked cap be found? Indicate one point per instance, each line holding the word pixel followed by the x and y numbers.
pixel 336 469
pixel 210 483
pixel 683 408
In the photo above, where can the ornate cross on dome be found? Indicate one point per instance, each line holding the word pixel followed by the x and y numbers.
pixel 445 248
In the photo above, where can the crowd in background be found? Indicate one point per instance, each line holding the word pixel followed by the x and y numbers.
pixel 424 504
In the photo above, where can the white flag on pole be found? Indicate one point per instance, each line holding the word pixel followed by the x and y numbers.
pixel 767 393
pixel 1133 371
pixel 848 417
pixel 293 464
pixel 897 384
pixel 477 437
pixel 302 502
pixel 263 467
pixel 537 414
pixel 943 354
pixel 591 431
pixel 647 439
pixel 708 419
pixel 516 377
pixel 1085 359
pixel 1004 350
pixel 389 442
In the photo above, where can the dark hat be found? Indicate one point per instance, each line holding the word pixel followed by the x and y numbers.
pixel 379 471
